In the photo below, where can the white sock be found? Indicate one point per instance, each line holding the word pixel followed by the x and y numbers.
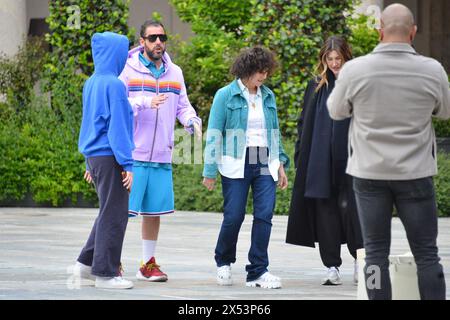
pixel 148 249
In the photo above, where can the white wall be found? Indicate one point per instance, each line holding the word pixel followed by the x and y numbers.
pixel 37 9
pixel 13 25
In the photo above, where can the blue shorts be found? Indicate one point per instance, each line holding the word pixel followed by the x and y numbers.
pixel 151 192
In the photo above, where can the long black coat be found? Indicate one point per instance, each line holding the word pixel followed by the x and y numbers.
pixel 301 229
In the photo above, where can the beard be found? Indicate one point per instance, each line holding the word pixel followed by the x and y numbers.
pixel 153 55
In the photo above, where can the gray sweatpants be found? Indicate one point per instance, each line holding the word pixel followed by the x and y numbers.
pixel 103 249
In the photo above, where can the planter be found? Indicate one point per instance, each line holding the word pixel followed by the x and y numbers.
pixel 28 201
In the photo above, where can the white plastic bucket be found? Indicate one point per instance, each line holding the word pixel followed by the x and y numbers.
pixel 362 293
pixel 403 273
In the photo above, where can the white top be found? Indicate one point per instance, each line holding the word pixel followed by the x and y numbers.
pixel 256 136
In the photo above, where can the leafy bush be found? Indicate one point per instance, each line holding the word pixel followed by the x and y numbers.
pixel 66 94
pixel 39 143
pixel 442 185
pixel 442 127
pixel 19 74
pixel 72 30
pixel 227 15
pixel 363 39
pixel 190 194
pixel 54 160
pixel 295 30
pixel 41 157
pixel 14 174
pixel 206 59
pixel 205 64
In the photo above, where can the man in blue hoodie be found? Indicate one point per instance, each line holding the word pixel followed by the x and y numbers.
pixel 106 141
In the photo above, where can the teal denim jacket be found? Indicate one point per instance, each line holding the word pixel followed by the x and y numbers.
pixel 228 123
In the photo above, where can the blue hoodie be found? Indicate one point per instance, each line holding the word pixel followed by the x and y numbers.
pixel 107 124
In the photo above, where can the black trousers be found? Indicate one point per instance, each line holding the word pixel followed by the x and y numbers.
pixel 336 223
pixel 103 248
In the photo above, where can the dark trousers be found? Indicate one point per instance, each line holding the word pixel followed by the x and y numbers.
pixel 416 207
pixel 235 193
pixel 337 222
pixel 103 248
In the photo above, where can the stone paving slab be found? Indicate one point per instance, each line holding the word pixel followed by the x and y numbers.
pixel 38 246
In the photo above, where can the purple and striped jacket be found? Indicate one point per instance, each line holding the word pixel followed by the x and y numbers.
pixel 154 128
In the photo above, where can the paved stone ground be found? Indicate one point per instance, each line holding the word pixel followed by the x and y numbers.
pixel 39 245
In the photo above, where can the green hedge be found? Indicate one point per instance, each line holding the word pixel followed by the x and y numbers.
pixel 19 74
pixel 39 140
pixel 72 25
pixel 442 185
pixel 442 127
pixel 294 30
pixel 40 157
pixel 191 195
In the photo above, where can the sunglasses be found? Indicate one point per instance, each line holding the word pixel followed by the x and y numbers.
pixel 153 37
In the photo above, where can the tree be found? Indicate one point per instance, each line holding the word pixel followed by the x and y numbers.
pixel 206 59
pixel 20 73
pixel 73 23
pixel 295 30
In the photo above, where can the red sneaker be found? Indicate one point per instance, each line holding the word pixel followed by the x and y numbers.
pixel 151 272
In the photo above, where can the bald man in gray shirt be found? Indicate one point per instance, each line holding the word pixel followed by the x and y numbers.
pixel 391 96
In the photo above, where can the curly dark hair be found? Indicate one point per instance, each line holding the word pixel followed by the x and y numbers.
pixel 253 60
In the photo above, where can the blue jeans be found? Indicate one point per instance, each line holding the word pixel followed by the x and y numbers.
pixel 416 207
pixel 235 193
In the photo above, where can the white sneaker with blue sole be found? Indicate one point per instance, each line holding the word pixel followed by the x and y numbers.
pixel 224 276
pixel 267 280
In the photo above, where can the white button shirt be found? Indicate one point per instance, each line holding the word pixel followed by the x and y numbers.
pixel 256 136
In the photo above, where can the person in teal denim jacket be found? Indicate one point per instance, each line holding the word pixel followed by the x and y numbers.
pixel 243 143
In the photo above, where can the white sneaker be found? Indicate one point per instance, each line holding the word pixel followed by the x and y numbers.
pixel 113 283
pixel 83 272
pixel 333 277
pixel 267 280
pixel 224 276
pixel 355 273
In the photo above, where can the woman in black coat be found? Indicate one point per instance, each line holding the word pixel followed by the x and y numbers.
pixel 323 207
